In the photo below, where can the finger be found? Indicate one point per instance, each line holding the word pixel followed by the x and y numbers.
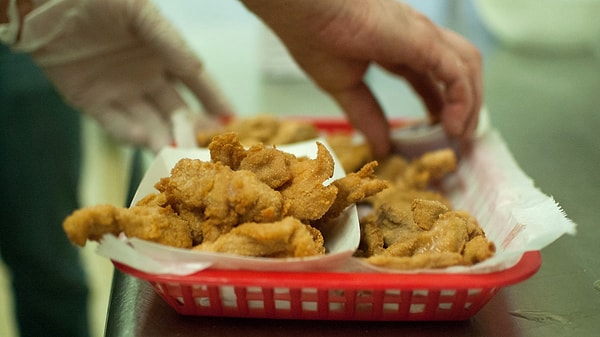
pixel 426 87
pixel 169 100
pixel 429 52
pixel 208 93
pixel 458 94
pixel 119 125
pixel 181 61
pixel 184 129
pixel 166 98
pixel 135 121
pixel 365 114
pixel 472 60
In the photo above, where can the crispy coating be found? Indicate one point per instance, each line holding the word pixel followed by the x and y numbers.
pixel 305 195
pixel 352 189
pixel 226 149
pixel 432 237
pixel 352 154
pixel 286 238
pixel 293 131
pixel 263 129
pixel 392 167
pixel 419 173
pixel 253 199
pixel 422 261
pixel 371 240
pixel 158 224
pixel 478 249
pixel 427 212
pixel 223 197
pixel 91 223
pixel 270 165
pixel 260 208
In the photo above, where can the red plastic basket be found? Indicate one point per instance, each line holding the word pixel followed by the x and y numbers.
pixel 335 296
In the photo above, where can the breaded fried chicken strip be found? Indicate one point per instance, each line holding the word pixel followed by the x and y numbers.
pixel 270 165
pixel 221 197
pixel 286 238
pixel 351 189
pixel 351 154
pixel 227 149
pixel 433 237
pixel 305 195
pixel 263 129
pixel 422 261
pixel 158 224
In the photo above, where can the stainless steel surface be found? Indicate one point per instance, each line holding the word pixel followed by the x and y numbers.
pixel 547 107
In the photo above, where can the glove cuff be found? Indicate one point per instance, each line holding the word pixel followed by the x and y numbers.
pixel 44 23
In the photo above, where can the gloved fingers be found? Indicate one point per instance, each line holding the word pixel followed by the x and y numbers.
pixel 366 115
pixel 186 124
pixel 183 123
pixel 209 94
pixel 165 97
pixel 134 121
pixel 180 60
pixel 172 106
pixel 168 98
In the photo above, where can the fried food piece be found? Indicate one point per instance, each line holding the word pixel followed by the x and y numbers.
pixel 371 240
pixel 286 238
pixel 305 195
pixel 394 220
pixel 392 168
pixel 431 166
pixel 270 165
pixel 293 131
pixel 422 261
pixel 427 212
pixel 431 237
pixel 438 163
pixel 448 234
pixel 299 180
pixel 158 224
pixel 223 197
pixel 351 189
pixel 91 223
pixel 402 197
pixel 352 154
pixel 254 130
pixel 478 249
pixel 261 208
pixel 263 129
pixel 226 149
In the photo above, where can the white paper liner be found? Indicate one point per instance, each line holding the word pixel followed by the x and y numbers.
pixel 489 184
pixel 341 238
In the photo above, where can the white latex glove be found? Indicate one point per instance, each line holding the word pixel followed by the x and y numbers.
pixel 120 61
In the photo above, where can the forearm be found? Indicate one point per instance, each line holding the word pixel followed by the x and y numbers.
pixel 293 16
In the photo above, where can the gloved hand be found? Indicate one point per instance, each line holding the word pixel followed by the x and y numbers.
pixel 121 62
pixel 335 42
